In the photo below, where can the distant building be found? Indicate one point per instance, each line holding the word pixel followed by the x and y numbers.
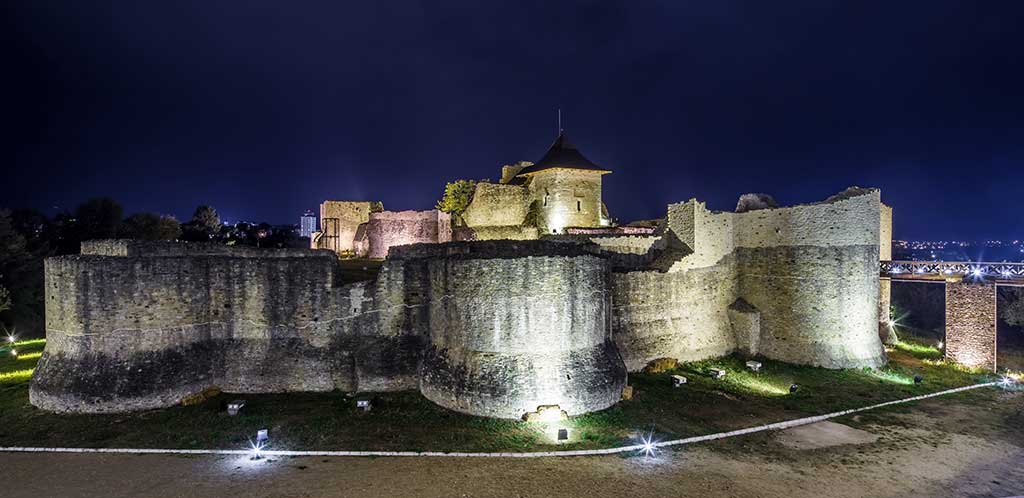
pixel 307 224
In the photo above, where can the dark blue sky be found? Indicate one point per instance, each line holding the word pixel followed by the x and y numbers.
pixel 263 109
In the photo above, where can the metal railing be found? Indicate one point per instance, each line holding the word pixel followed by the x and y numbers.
pixel 943 269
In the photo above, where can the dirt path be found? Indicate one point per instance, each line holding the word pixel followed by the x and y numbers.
pixel 928 451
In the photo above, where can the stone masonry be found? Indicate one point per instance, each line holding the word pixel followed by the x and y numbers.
pixel 492 328
pixel 971 323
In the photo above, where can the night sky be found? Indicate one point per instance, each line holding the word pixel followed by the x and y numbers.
pixel 264 109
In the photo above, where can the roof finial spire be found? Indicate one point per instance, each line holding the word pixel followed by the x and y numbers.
pixel 559 120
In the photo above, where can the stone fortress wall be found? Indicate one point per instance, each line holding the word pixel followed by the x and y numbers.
pixel 492 328
pixel 806 276
pixel 365 229
pixel 340 222
pixel 396 228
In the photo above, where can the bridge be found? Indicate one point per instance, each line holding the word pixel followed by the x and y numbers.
pixel 971 301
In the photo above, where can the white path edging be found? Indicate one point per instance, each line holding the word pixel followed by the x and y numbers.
pixel 538 454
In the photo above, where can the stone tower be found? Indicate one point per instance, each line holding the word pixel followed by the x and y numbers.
pixel 565 188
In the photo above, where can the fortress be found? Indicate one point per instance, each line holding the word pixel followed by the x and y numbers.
pixel 533 296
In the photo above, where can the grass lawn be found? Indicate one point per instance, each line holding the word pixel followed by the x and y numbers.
pixel 407 421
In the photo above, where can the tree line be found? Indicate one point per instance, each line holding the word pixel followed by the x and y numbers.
pixel 28 236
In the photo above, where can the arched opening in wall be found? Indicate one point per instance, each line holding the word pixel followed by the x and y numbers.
pixel 545 197
pixel 1010 327
pixel 919 309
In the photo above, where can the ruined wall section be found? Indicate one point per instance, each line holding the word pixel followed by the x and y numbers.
pixel 387 229
pixel 498 205
pixel 163 248
pixel 680 314
pixel 812 273
pixel 130 333
pixel 679 308
pixel 339 222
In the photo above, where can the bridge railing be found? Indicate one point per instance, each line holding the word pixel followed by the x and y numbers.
pixel 943 269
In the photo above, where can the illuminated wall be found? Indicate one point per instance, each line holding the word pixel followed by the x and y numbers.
pixel 512 334
pixel 809 271
pixel 971 323
pixel 491 328
pixel 339 221
pixel 395 228
pixel 567 198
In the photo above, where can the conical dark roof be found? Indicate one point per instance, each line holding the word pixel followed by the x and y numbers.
pixel 561 154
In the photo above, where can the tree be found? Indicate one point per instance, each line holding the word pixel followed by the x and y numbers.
pixel 149 226
pixel 98 219
pixel 5 299
pixel 457 196
pixel 21 278
pixel 205 224
pixel 1011 305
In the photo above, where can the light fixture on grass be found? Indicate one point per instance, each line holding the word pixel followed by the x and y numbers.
pixel 648 447
pixel 563 434
pixel 235 406
pixel 262 439
pixel 754 366
pixel 14 352
pixel 678 380
pixel 918 379
pixel 793 388
pixel 364 404
pixel 717 373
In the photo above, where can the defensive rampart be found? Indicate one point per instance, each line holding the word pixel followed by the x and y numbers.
pixel 806 273
pixel 494 328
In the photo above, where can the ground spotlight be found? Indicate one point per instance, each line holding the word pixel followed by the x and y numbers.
pixel 11 339
pixel 648 447
pixel 918 379
pixel 262 438
pixel 14 352
pixel 793 388
pixel 256 450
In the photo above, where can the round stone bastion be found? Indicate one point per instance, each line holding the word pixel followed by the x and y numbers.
pixel 515 325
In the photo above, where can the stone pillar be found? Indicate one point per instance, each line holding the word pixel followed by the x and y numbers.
pixel 971 323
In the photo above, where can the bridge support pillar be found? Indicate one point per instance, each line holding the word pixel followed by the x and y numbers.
pixel 971 323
